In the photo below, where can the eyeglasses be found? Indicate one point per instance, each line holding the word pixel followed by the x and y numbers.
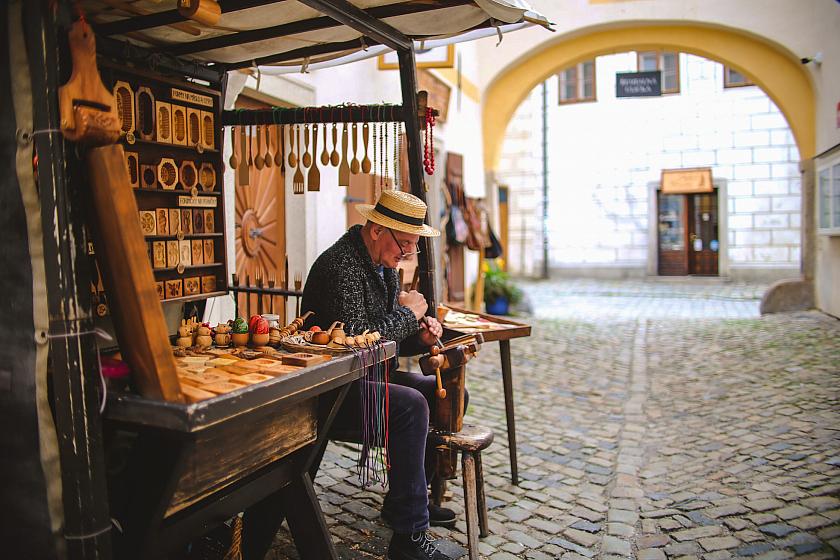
pixel 400 244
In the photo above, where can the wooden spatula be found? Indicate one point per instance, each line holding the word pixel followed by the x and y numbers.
pixel 313 181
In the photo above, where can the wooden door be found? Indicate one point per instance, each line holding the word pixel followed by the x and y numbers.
pixel 703 234
pixel 672 234
pixel 454 270
pixel 260 224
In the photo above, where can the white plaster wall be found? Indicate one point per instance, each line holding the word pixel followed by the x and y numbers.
pixel 803 27
pixel 603 156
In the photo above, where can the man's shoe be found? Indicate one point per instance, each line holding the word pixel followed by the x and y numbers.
pixel 441 516
pixel 438 517
pixel 415 546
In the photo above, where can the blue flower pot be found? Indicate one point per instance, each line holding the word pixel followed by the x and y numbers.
pixel 498 306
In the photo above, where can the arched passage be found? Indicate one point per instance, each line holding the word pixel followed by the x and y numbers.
pixel 777 71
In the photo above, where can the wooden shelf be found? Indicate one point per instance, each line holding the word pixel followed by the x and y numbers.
pixel 186 236
pixel 179 191
pixel 130 147
pixel 196 297
pixel 186 268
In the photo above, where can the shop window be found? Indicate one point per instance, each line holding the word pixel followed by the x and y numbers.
pixel 577 83
pixel 732 78
pixel 666 62
pixel 828 198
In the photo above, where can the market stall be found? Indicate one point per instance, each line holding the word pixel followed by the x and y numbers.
pixel 116 211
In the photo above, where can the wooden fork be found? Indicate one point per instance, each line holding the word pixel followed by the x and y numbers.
pixel 298 186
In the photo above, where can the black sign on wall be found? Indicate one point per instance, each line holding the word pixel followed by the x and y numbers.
pixel 638 84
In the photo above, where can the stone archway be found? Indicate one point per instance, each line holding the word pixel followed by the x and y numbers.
pixel 770 66
pixel 775 69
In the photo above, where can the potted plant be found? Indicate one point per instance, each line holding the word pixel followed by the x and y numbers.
pixel 499 290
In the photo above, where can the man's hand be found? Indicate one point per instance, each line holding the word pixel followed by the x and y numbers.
pixel 430 331
pixel 415 301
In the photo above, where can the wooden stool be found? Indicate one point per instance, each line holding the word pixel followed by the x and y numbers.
pixel 470 441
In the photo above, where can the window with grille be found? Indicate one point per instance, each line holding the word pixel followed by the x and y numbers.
pixel 577 83
pixel 828 197
pixel 666 62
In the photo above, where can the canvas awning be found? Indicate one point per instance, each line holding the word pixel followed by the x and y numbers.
pixel 293 32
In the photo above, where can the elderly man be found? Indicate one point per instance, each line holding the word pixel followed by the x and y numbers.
pixel 355 282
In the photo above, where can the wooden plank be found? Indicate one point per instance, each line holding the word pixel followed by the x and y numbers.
pixel 235 449
pixel 127 273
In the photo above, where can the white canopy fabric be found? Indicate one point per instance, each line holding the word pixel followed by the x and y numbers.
pixel 438 20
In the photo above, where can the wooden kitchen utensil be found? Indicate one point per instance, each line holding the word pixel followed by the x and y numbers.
pixel 298 186
pixel 325 155
pixel 292 154
pixel 307 157
pixel 344 168
pixel 268 159
pixel 279 160
pixel 243 174
pixel 313 181
pixel 354 163
pixel 365 139
pixel 334 155
pixel 259 162
pixel 233 161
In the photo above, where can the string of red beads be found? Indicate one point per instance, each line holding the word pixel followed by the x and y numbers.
pixel 429 147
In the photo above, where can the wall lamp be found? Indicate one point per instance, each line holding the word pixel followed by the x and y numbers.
pixel 816 59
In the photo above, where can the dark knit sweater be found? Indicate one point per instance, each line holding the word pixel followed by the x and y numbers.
pixel 344 285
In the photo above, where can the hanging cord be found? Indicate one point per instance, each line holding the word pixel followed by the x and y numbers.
pixel 100 334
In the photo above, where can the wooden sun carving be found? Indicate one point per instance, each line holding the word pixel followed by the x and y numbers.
pixel 260 236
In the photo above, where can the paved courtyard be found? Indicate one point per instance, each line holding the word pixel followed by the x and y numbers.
pixel 654 420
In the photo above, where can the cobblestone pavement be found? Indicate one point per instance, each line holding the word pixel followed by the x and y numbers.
pixel 709 436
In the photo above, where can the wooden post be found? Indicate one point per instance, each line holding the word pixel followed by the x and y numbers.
pixel 412 101
pixel 66 316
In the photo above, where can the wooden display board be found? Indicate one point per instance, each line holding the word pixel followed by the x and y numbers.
pixel 174 160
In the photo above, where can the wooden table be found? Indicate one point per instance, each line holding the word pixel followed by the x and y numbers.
pixel 504 336
pixel 191 467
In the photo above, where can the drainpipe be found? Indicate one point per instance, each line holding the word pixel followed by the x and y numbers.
pixel 545 179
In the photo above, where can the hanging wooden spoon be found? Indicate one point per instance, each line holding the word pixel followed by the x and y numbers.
pixel 259 162
pixel 354 163
pixel 344 169
pixel 365 139
pixel 279 160
pixel 325 155
pixel 292 155
pixel 334 155
pixel 307 157
pixel 233 161
pixel 243 171
pixel 268 159
pixel 251 148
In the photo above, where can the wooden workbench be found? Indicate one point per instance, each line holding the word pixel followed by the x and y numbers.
pixel 511 330
pixel 193 466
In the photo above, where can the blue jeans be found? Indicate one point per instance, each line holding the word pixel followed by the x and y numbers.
pixel 410 398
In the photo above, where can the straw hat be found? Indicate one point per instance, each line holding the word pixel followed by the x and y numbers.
pixel 400 211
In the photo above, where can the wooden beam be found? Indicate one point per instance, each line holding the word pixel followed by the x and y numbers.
pixel 169 17
pixel 303 26
pixel 408 84
pixel 356 18
pixel 296 54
